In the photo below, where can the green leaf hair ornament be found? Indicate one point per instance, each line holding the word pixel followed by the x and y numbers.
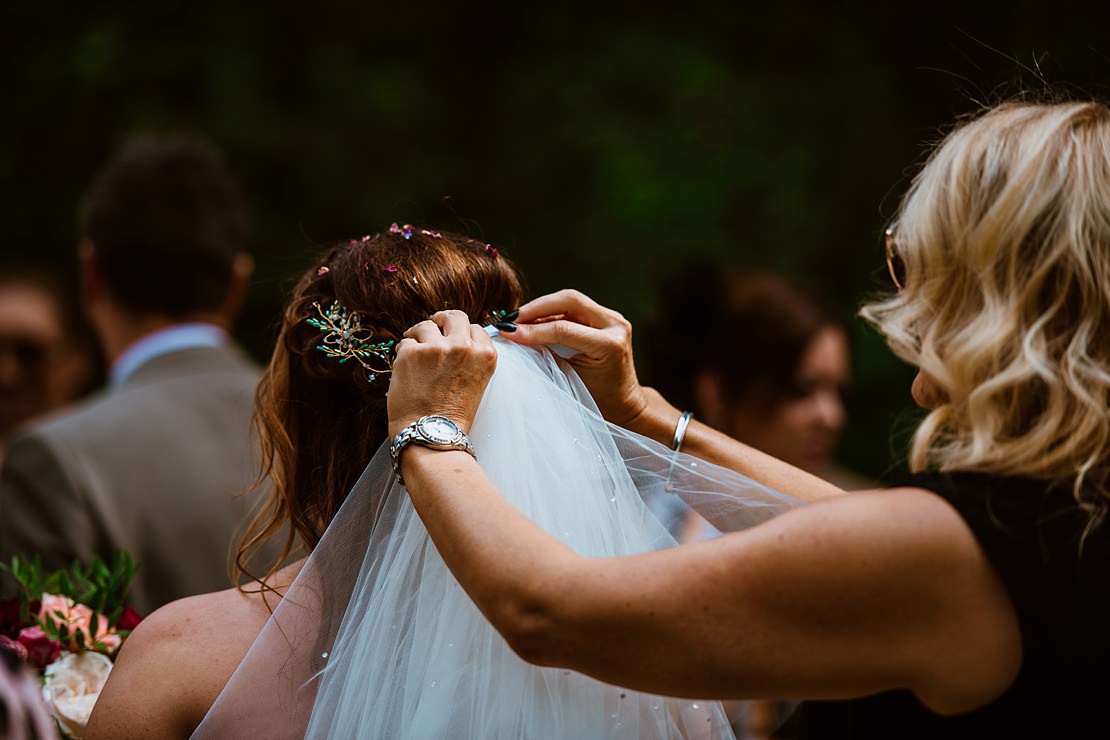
pixel 346 340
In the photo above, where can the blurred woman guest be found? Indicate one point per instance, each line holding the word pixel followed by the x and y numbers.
pixel 777 385
pixel 48 356
pixel 959 603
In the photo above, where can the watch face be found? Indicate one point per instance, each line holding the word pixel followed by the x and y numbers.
pixel 438 429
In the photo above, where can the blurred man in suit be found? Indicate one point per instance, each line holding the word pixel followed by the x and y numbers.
pixel 154 464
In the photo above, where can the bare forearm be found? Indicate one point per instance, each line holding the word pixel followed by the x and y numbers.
pixel 658 421
pixel 613 618
pixel 502 558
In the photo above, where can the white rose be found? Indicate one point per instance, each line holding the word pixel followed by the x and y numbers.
pixel 72 684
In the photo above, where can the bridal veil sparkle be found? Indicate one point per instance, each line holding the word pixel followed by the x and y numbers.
pixel 375 639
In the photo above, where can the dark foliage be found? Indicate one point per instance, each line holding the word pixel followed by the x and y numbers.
pixel 600 144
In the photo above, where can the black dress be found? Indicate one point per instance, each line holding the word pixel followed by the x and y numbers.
pixel 1060 587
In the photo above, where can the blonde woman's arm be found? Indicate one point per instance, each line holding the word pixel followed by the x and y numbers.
pixel 848 596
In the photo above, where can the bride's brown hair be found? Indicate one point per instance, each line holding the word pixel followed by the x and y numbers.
pixel 321 420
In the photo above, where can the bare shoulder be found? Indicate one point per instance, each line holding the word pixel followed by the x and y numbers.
pixel 176 662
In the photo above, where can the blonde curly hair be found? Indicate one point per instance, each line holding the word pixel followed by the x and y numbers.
pixel 1005 239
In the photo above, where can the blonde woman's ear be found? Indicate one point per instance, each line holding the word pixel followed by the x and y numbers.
pixel 926 392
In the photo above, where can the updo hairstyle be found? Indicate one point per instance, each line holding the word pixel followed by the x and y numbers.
pixel 321 420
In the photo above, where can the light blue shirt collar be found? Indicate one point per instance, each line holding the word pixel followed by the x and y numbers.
pixel 178 337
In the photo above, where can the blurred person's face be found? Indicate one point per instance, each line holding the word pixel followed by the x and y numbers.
pixel 36 367
pixel 803 428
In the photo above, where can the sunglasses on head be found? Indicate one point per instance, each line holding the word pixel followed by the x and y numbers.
pixel 894 261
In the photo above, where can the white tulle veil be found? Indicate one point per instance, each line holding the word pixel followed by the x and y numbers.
pixel 375 639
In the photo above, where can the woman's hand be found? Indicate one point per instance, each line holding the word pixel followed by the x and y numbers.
pixel 443 366
pixel 603 339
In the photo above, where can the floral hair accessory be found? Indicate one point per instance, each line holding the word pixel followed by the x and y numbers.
pixel 346 339
pixel 406 231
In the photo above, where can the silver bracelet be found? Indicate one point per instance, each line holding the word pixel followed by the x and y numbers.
pixel 680 430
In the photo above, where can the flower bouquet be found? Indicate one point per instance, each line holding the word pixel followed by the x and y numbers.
pixel 68 626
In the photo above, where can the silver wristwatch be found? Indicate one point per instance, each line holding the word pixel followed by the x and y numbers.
pixel 437 432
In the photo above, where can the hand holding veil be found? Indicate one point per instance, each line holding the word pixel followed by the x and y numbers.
pixel 376 638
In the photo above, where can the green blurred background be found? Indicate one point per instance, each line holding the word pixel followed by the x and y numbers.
pixel 600 145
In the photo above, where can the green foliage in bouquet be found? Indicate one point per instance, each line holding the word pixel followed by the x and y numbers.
pixel 99 587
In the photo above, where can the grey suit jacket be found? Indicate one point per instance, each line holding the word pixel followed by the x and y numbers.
pixel 154 467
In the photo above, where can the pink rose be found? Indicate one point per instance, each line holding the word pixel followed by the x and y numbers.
pixel 41 650
pixel 55 609
pixel 62 612
pixel 84 620
pixel 110 643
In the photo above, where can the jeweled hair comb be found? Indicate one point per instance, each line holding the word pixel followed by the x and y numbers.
pixel 346 339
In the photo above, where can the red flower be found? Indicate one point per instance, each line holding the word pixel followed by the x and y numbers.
pixel 11 646
pixel 129 619
pixel 10 623
pixel 41 650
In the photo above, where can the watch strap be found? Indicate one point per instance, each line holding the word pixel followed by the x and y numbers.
pixel 412 435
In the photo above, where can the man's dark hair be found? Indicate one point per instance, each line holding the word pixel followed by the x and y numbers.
pixel 166 218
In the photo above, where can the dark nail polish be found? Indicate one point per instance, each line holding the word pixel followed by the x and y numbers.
pixel 511 315
pixel 505 326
